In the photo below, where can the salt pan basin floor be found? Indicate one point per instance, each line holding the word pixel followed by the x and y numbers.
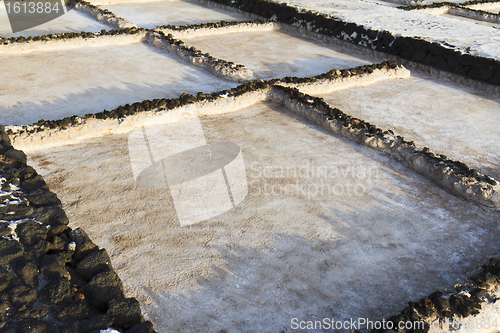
pixel 150 14
pixel 66 81
pixel 360 240
pixel 461 123
pixel 72 21
pixel 271 54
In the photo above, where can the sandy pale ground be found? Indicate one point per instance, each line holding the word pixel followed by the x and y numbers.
pixel 72 21
pixel 328 229
pixel 149 14
pixel 273 54
pixel 62 82
pixel 459 122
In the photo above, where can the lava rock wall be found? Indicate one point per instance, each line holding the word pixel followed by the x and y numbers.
pixel 53 278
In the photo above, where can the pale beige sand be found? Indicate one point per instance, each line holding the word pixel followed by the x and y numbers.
pixel 462 123
pixel 378 236
pixel 272 54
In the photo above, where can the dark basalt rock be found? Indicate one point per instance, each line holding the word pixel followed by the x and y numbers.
pixel 16 155
pixel 75 312
pixel 463 305
pixel 20 212
pixel 58 244
pixel 6 278
pixel 84 244
pixel 481 72
pixel 478 294
pixel 33 313
pixel 22 295
pixel 93 263
pixel 55 264
pixel 146 327
pixel 43 197
pixel 29 274
pixel 33 183
pixel 96 323
pixel 9 250
pixel 103 288
pixel 37 251
pixel 57 290
pixel 31 232
pixel 31 326
pixel 125 313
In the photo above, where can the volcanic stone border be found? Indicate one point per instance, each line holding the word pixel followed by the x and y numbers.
pixel 342 79
pixel 16 42
pixel 220 68
pixel 446 3
pixel 453 307
pixel 52 278
pixel 211 25
pixel 222 27
pixel 446 58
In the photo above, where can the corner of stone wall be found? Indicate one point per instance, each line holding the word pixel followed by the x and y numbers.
pixel 49 270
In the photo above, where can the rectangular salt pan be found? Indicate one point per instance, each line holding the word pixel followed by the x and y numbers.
pixel 459 122
pixel 328 229
pixel 271 54
pixel 53 84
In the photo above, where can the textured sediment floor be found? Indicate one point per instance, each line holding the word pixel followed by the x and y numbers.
pixel 317 235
